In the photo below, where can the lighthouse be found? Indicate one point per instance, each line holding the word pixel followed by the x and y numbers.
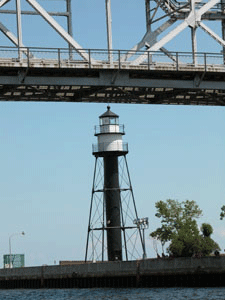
pixel 107 221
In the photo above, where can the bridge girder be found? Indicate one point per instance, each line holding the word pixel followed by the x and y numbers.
pixel 130 86
pixel 130 76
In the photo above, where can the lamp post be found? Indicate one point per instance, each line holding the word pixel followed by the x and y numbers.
pixel 10 248
pixel 142 224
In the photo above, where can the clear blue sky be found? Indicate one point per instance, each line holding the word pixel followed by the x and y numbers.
pixel 46 151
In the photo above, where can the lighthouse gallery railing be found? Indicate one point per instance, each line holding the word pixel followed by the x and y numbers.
pixel 111 128
pixel 107 147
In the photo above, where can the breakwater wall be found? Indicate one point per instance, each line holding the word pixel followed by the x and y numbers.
pixel 190 272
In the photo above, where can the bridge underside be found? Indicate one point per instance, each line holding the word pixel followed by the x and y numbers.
pixel 116 86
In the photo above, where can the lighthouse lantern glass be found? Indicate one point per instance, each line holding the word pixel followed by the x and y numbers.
pixel 104 121
pixel 109 121
pixel 113 121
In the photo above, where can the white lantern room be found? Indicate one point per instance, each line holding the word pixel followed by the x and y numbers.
pixel 109 133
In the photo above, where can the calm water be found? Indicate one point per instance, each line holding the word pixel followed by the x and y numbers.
pixel 120 294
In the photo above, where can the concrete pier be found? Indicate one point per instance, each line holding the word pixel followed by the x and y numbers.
pixel 189 272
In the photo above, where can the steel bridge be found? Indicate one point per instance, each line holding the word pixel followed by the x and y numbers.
pixel 148 73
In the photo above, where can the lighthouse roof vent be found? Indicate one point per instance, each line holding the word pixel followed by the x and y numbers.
pixel 109 114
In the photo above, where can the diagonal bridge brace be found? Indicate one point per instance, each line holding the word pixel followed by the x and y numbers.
pixel 3 2
pixel 51 21
pixel 212 34
pixel 149 38
pixel 14 39
pixel 58 28
pixel 192 20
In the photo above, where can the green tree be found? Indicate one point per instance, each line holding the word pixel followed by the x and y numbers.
pixel 206 229
pixel 186 241
pixel 173 214
pixel 222 213
pixel 179 227
pixel 207 243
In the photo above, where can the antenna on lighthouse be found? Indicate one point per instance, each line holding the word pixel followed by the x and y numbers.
pixel 112 233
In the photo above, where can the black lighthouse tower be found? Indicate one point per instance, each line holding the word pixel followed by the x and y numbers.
pixel 109 214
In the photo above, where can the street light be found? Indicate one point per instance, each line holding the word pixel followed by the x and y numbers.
pixel 10 248
pixel 142 224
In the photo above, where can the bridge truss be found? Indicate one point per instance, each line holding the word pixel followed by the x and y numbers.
pixel 147 73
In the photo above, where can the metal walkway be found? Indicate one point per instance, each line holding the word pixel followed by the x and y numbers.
pixel 64 76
